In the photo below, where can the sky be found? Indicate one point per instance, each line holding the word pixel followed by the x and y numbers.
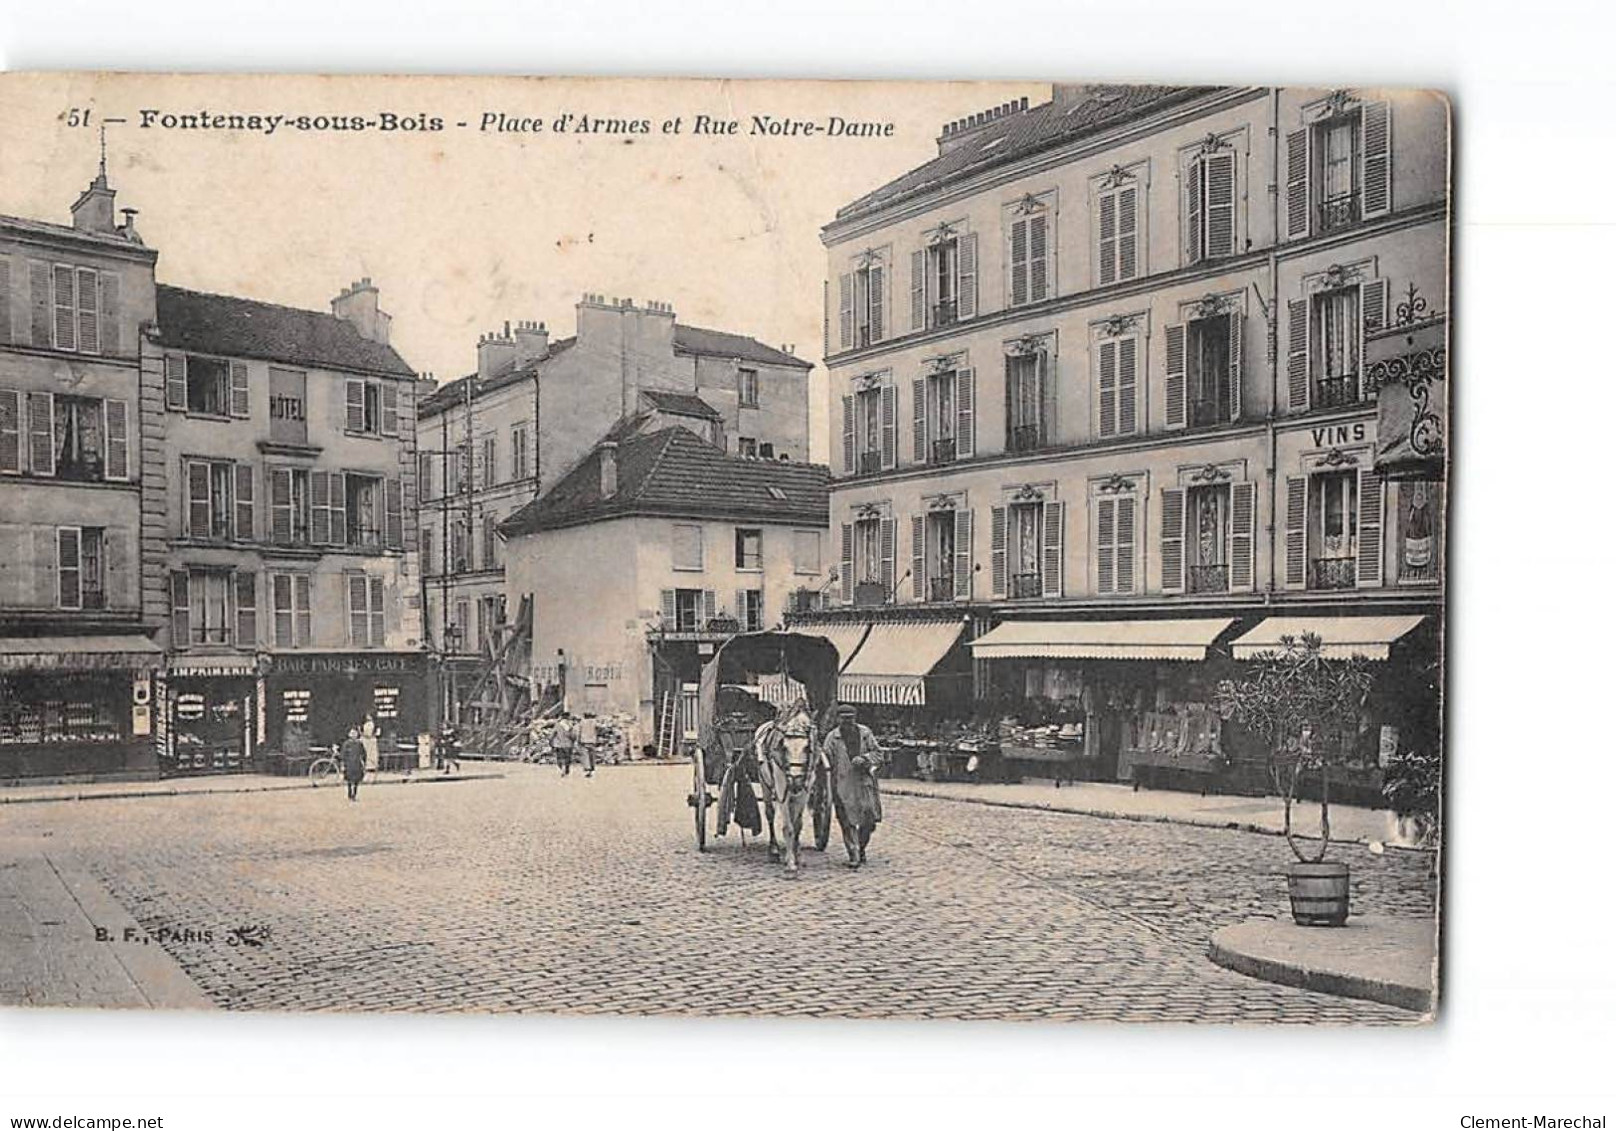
pixel 462 229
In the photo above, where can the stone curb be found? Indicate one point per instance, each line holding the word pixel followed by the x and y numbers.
pixel 1225 953
pixel 290 784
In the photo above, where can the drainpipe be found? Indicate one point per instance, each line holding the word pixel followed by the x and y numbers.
pixel 1273 344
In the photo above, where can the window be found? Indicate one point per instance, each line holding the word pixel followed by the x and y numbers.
pixel 207 386
pixel 459 547
pixel 867 552
pixel 81 576
pixel 200 607
pixel 1029 251
pixel 80 438
pixel 519 468
pixel 805 552
pixel 1116 224
pixel 747 387
pixel 1419 531
pixel 424 475
pixel 490 452
pixel 937 556
pixel 490 542
pixel 454 471
pixel 749 609
pixel 940 412
pixel 367 620
pixel 372 408
pixel 863 295
pixel 75 304
pixel 690 609
pixel 867 436
pixel 1117 360
pixel 1338 168
pixel 748 548
pixel 294 620
pixel 11 432
pixel 1333 529
pixel 1028 546
pixel 429 564
pixel 687 550
pixel 1203 371
pixel 765 450
pixel 1336 358
pixel 246 609
pixel 363 501
pixel 1114 542
pixel 1333 504
pixel 1025 547
pixel 460 627
pixel 1209 203
pixel 1026 424
pixel 746 447
pixel 211 504
pixel 1206 537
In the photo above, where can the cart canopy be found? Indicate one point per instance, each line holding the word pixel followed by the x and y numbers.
pixel 809 660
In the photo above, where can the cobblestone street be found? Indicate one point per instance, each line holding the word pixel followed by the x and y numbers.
pixel 541 894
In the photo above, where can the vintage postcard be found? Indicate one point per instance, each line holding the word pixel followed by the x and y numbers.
pixel 823 549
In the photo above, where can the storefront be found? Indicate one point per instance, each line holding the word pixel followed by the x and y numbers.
pixel 210 705
pixel 77 706
pixel 312 699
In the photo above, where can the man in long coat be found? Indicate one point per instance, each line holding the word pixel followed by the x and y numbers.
pixel 854 756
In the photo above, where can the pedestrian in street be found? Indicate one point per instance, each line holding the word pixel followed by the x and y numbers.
pixel 855 757
pixel 588 736
pixel 372 743
pixel 562 741
pixel 353 762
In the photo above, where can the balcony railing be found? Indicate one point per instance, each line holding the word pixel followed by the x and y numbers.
pixel 1207 578
pixel 805 600
pixel 945 313
pixel 1025 438
pixel 1204 413
pixel 867 594
pixel 1338 212
pixel 1027 585
pixel 1332 573
pixel 869 462
pixel 1337 392
pixel 943 451
pixel 940 588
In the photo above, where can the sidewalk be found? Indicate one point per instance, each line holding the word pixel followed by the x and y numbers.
pixel 1392 961
pixel 221 783
pixel 1348 824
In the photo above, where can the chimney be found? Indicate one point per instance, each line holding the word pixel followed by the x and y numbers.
pixel 608 469
pixel 358 305
pixel 496 353
pixel 532 342
pixel 92 212
pixel 957 132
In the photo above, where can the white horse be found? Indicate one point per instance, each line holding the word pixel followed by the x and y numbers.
pixel 786 762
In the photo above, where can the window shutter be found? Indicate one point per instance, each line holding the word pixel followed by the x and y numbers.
pixel 378 614
pixel 356 406
pixel 1128 386
pixel 847 435
pixel 10 431
pixel 1371 516
pixel 709 605
pixel 670 609
pixel 878 283
pixel 889 425
pixel 1297 205
pixel 1054 548
pixel 319 507
pixel 1194 214
pixel 999 553
pixel 1372 306
pixel 240 391
pixel 1242 534
pixel 111 304
pixel 917 290
pixel 1296 362
pixel 41 433
pixel 5 299
pixel 1125 544
pixel 46 585
pixel 917 552
pixel 303 614
pixel 39 303
pixel 89 310
pixel 1295 532
pixel 246 609
pixel 1172 539
pixel 1038 258
pixel 967 276
pixel 965 416
pixel 358 611
pixel 889 557
pixel 1237 320
pixel 919 387
pixel 199 498
pixel 1220 219
pixel 846 285
pixel 1108 238
pixel 1105 547
pixel 121 580
pixel 69 594
pixel 339 509
pixel 116 417
pixel 963 564
pixel 389 409
pixel 244 502
pixel 179 603
pixel 847 561
pixel 65 307
pixel 1375 121
pixel 1018 262
pixel 280 506
pixel 1127 233
pixel 174 381
pixel 1177 378
pixel 740 610
pixel 395 516
pixel 1047 389
pixel 1107 360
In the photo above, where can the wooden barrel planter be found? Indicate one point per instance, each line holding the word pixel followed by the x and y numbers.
pixel 1319 893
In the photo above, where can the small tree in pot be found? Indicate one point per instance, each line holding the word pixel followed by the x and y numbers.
pixel 1306 708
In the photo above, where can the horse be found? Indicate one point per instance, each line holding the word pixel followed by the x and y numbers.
pixel 787 761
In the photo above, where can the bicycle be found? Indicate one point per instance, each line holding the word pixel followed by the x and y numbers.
pixel 325 767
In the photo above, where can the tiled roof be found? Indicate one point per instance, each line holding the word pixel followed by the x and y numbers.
pixel 239 327
pixel 452 392
pixel 674 472
pixel 719 343
pixel 1017 135
pixel 681 404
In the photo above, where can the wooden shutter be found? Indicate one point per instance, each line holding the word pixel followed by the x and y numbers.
pixel 394 491
pixel 917 290
pixel 1125 543
pixel 122 578
pixel 199 499
pixel 1297 161
pixel 42 433
pixel 889 425
pixel 1044 368
pixel 1242 536
pixel 1177 377
pixel 246 609
pixel 111 313
pixel 1371 308
pixel 919 388
pixel 116 423
pixel 10 431
pixel 64 304
pixel 339 510
pixel 319 507
pixel 89 309
pixel 917 555
pixel 1296 362
pixel 5 299
pixel 280 505
pixel 46 583
pixel 302 612
pixel 1237 321
pixel 1105 546
pixel 848 444
pixel 1375 150
pixel 1296 532
pixel 358 611
pixel 244 502
pixel 1220 218
pixel 179 604
pixel 1127 232
pixel 378 614
pixel 1128 386
pixel 389 409
pixel 709 605
pixel 69 592
pixel 177 390
pixel 1371 517
pixel 963 558
pixel 1000 554
pixel 355 406
pixel 1108 238
pixel 1054 549
pixel 846 308
pixel 889 557
pixel 878 317
pixel 39 303
pixel 965 413
pixel 1107 361
pixel 1172 539
pixel 967 276
pixel 240 391
pixel 1194 214
pixel 1038 271
pixel 847 561
pixel 1018 262
pixel 670 609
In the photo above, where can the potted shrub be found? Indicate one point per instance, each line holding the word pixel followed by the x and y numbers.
pixel 1413 789
pixel 1306 708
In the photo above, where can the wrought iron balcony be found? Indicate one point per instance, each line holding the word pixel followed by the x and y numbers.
pixel 1336 392
pixel 1204 413
pixel 1339 212
pixel 867 594
pixel 1024 585
pixel 945 313
pixel 804 600
pixel 1025 438
pixel 1332 573
pixel 869 462
pixel 93 599
pixel 943 451
pixel 1207 578
pixel 940 588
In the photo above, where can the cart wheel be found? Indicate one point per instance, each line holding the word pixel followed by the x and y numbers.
pixel 820 803
pixel 699 799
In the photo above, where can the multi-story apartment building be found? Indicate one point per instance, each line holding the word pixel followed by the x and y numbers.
pixel 76 657
pixel 1109 360
pixel 493 440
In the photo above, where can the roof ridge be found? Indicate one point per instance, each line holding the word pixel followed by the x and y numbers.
pixel 256 302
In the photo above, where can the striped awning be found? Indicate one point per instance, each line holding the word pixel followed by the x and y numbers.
pixel 1101 640
pixel 1369 637
pixel 78 653
pixel 847 636
pixel 779 690
pixel 891 666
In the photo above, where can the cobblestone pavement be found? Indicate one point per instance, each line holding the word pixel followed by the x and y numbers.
pixel 542 894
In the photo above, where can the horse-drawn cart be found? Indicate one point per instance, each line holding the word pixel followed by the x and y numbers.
pixel 748 751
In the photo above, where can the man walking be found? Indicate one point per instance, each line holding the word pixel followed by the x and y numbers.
pixel 353 762
pixel 854 756
pixel 562 741
pixel 588 736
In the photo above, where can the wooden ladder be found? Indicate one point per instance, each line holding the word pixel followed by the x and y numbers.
pixel 667 740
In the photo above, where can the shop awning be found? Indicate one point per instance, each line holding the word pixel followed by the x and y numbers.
pixel 204 666
pixel 892 665
pixel 1370 637
pixel 847 636
pixel 1101 640
pixel 78 653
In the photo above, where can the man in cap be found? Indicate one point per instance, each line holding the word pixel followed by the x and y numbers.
pixel 855 757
